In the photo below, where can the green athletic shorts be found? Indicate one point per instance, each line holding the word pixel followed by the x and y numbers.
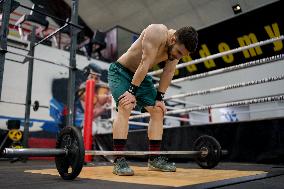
pixel 119 80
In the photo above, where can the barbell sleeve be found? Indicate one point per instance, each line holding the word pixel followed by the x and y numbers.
pixel 34 152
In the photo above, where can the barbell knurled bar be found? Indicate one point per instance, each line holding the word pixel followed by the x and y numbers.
pixel 144 153
pixel 42 152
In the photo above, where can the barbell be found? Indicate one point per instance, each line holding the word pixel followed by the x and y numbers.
pixel 70 153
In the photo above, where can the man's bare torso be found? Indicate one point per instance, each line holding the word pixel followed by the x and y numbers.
pixel 132 58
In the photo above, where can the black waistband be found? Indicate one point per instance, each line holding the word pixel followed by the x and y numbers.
pixel 124 68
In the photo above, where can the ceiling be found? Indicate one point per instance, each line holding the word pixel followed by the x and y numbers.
pixel 137 14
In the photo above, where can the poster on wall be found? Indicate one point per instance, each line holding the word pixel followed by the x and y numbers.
pixel 258 25
pixel 101 100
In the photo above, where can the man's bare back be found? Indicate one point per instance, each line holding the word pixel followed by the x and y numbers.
pixel 132 58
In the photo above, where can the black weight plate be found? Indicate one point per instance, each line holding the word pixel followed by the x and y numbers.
pixel 70 166
pixel 36 105
pixel 213 149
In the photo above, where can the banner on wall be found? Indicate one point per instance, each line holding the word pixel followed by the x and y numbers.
pixel 102 100
pixel 258 25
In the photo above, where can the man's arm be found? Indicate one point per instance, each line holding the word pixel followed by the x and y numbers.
pixel 151 42
pixel 167 75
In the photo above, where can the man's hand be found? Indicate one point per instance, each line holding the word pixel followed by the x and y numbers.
pixel 127 98
pixel 161 104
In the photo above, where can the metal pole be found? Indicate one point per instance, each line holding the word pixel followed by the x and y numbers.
pixel 139 153
pixel 29 89
pixel 3 142
pixel 53 17
pixel 43 152
pixel 3 37
pixel 72 69
pixel 51 34
pixel 33 152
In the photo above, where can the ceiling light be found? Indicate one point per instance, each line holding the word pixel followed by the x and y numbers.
pixel 237 8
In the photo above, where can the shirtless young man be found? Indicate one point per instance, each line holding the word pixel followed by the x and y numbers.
pixel 131 86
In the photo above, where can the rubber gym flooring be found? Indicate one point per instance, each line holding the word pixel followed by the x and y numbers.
pixel 43 174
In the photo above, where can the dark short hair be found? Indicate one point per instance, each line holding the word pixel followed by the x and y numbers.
pixel 93 67
pixel 187 36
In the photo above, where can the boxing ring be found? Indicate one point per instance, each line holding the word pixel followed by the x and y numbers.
pixel 200 108
pixel 205 111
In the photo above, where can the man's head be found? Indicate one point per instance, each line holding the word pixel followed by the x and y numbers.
pixel 183 42
pixel 93 71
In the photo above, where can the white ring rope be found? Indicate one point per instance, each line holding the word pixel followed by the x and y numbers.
pixel 165 126
pixel 239 49
pixel 168 117
pixel 198 121
pixel 143 124
pixel 228 87
pixel 221 105
pixel 231 68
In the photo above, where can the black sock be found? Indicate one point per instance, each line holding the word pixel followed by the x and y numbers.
pixel 154 145
pixel 119 145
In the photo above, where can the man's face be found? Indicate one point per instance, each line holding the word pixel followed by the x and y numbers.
pixel 176 51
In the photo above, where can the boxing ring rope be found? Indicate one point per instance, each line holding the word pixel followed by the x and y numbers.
pixel 227 69
pixel 173 108
pixel 217 89
pixel 169 117
pixel 231 68
pixel 224 70
pixel 228 87
pixel 165 126
pixel 214 56
pixel 166 117
pixel 220 105
pixel 145 124
pixel 198 121
pixel 199 107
